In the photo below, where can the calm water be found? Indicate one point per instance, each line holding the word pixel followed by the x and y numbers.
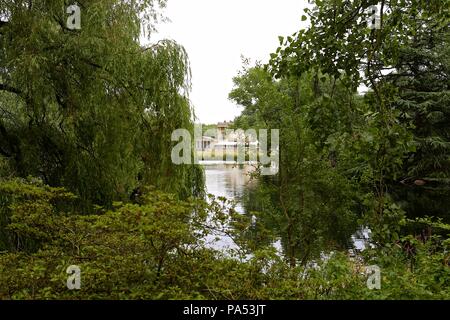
pixel 231 182
pixel 228 181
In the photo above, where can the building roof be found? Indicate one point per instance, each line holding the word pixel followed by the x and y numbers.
pixel 224 124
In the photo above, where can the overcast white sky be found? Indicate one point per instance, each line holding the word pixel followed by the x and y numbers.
pixel 216 33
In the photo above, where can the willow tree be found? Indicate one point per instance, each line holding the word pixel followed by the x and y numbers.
pixel 91 109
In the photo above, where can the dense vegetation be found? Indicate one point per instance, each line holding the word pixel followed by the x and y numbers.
pixel 379 159
pixel 91 110
pixel 86 176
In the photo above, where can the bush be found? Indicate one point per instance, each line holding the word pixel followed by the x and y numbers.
pixel 156 250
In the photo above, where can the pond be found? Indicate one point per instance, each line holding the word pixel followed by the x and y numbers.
pixel 229 181
pixel 232 182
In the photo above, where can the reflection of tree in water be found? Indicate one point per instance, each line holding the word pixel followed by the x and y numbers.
pixel 324 223
pixel 309 239
pixel 262 226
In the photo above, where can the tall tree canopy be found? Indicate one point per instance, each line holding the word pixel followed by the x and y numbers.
pixel 310 206
pixel 90 113
pixel 400 152
pixel 92 109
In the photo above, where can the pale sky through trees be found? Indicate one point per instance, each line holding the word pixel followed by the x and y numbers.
pixel 216 33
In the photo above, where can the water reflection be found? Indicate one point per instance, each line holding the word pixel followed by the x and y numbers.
pixel 229 181
pixel 234 183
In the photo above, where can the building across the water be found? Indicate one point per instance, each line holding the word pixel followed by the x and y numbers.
pixel 225 139
pixel 222 130
pixel 205 143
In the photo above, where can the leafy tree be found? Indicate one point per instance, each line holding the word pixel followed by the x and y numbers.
pixel 155 250
pixel 340 44
pixel 309 201
pixel 91 109
pixel 422 79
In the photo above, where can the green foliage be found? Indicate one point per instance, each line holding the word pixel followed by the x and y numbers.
pixel 92 110
pixel 396 147
pixel 89 113
pixel 155 250
pixel 310 204
pixel 385 151
pixel 32 201
pixel 127 252
pixel 414 269
pixel 423 101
